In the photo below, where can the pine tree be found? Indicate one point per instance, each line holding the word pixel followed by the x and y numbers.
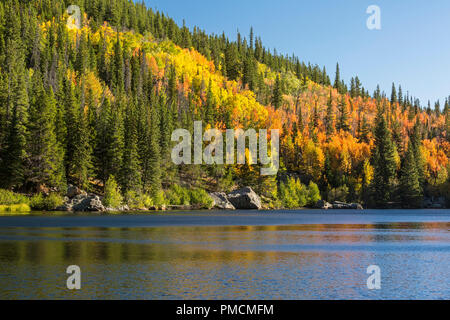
pixel 81 161
pixel 343 120
pixel 210 106
pixel 15 154
pixel 131 174
pixel 118 67
pixel 393 94
pixel 154 178
pixel 384 163
pixel 248 77
pixel 232 62
pixel 409 187
pixel 364 131
pixel 329 118
pixel 415 145
pixel 277 96
pixel 46 156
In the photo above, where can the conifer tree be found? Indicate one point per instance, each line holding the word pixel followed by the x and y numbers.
pixel 343 120
pixel 384 163
pixel 409 187
pixel 46 156
pixel 15 154
pixel 277 96
pixel 415 145
pixel 131 174
pixel 329 118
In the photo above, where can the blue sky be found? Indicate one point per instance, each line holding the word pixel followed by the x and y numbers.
pixel 412 48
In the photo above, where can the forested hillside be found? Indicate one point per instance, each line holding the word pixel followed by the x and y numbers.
pixel 97 103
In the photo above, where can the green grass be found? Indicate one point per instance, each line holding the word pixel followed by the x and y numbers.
pixel 21 208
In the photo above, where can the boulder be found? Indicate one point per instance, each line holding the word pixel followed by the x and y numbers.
pixel 73 191
pixel 221 201
pixel 343 205
pixel 322 204
pixel 87 203
pixel 245 198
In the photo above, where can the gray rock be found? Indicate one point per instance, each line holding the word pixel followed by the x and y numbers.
pixel 87 203
pixel 245 198
pixel 221 201
pixel 322 204
pixel 73 191
pixel 343 205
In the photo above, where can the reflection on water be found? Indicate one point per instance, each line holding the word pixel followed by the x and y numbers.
pixel 318 261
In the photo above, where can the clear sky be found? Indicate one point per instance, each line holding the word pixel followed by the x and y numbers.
pixel 412 48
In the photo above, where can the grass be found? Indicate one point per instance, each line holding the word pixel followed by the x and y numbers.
pixel 21 208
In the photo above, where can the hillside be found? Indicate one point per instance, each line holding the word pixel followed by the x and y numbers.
pixel 100 102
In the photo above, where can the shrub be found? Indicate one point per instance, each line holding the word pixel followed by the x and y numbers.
pixel 51 202
pixel 201 198
pixel 338 194
pixel 8 197
pixel 313 194
pixel 137 200
pixel 37 202
pixel 15 208
pixel 293 193
pixel 178 195
pixel 159 199
pixel 112 198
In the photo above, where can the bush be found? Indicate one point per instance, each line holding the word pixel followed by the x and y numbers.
pixel 16 208
pixel 40 202
pixel 201 198
pixel 136 200
pixel 313 194
pixel 338 194
pixel 112 198
pixel 178 196
pixel 159 199
pixel 8 197
pixel 293 194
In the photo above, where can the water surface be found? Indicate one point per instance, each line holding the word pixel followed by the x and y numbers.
pixel 308 254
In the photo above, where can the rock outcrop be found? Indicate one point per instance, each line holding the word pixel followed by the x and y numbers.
pixel 79 200
pixel 82 202
pixel 245 198
pixel 73 191
pixel 322 204
pixel 343 205
pixel 221 201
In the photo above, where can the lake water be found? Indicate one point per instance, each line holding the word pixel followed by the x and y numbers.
pixel 308 254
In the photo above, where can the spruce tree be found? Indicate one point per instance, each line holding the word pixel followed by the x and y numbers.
pixel 329 118
pixel 384 163
pixel 277 96
pixel 15 155
pixel 46 156
pixel 343 120
pixel 409 186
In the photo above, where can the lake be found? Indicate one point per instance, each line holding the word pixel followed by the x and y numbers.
pixel 306 254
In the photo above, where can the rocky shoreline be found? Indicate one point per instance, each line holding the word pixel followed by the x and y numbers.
pixel 77 200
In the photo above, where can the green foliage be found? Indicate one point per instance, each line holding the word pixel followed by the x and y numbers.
pixel 159 199
pixel 41 202
pixel 313 194
pixel 199 197
pixel 338 194
pixel 293 193
pixel 8 198
pixel 112 198
pixel 384 163
pixel 15 208
pixel 410 190
pixel 136 200
pixel 177 195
